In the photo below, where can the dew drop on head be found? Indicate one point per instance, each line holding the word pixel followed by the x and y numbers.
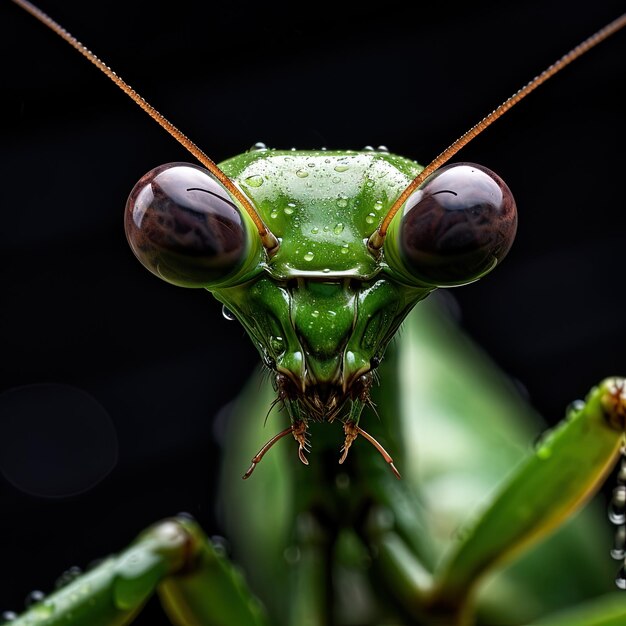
pixel 259 145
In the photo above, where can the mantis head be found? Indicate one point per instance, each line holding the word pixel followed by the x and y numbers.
pixel 322 304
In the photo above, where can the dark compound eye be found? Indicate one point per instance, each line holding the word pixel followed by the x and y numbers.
pixel 458 226
pixel 184 227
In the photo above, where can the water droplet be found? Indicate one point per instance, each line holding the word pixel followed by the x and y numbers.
pixel 254 181
pixel 302 173
pixel 341 168
pixel 315 313
pixel 259 145
pixel 315 230
pixel 618 552
pixel 326 270
pixel 274 214
pixel 336 180
pixel 371 217
pixel 311 164
pixel 342 203
pixel 338 229
pixel 574 407
pixel 617 506
pixel 277 344
pixel 378 205
pixel 382 149
pixel 344 248
pixel 34 597
pixel 292 555
pixel 620 579
pixel 309 256
pixel 369 183
pixel 220 545
pixel 228 314
pixel 368 149
pixel 67 577
pixel 7 616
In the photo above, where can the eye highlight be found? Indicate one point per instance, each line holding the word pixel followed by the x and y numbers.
pixel 457 226
pixel 184 227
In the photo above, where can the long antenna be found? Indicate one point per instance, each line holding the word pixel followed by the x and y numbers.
pixel 267 238
pixel 376 240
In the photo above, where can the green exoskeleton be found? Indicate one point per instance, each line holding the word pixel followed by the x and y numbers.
pixel 322 256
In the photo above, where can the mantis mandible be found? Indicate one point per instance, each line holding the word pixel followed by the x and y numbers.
pixel 460 296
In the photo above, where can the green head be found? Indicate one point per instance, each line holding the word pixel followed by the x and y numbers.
pixel 322 305
pixel 291 243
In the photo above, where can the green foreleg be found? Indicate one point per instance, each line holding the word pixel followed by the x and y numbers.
pixel 114 592
pixel 568 467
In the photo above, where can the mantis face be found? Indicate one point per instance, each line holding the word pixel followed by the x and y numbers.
pixel 448 226
pixel 322 306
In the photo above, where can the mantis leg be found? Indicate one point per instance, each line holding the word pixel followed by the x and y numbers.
pixel 568 466
pixel 199 586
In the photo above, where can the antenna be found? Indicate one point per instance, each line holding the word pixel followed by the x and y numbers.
pixel 267 238
pixel 378 236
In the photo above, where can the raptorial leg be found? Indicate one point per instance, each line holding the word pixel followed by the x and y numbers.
pixel 175 549
pixel 568 466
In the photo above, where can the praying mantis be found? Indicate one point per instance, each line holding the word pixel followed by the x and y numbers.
pixel 223 349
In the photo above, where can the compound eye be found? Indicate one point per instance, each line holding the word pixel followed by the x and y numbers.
pixel 458 225
pixel 184 227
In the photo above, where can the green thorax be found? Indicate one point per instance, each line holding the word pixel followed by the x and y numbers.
pixel 322 309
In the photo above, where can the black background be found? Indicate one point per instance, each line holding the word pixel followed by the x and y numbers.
pixel 76 308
